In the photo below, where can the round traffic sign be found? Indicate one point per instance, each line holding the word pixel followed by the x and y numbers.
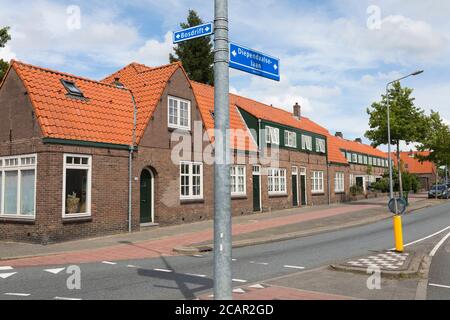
pixel 400 208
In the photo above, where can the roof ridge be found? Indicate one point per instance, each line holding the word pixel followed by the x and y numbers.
pixel 162 67
pixel 14 62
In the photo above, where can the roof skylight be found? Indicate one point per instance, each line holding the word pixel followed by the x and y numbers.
pixel 72 88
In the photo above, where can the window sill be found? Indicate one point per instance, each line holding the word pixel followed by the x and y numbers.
pixel 238 196
pixel 339 192
pixel 278 195
pixel 67 220
pixel 18 220
pixel 189 201
pixel 187 130
pixel 318 193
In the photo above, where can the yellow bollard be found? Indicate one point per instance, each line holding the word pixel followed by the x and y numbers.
pixel 398 233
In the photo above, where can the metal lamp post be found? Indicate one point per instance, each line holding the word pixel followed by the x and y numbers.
pixel 397 218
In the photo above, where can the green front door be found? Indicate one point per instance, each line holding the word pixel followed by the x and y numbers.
pixel 146 196
pixel 256 193
pixel 294 190
pixel 303 189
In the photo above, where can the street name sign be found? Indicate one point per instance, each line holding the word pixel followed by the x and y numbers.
pixel 254 62
pixel 202 30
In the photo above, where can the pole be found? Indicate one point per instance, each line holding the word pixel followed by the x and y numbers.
pixel 391 187
pixel 399 163
pixel 222 193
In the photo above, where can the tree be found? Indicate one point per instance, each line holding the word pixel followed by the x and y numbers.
pixel 436 142
pixel 4 38
pixel 196 55
pixel 408 122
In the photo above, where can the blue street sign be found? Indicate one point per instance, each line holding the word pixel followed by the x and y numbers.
pixel 254 62
pixel 202 30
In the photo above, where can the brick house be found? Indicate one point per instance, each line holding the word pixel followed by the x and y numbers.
pixel 82 158
pixel 425 172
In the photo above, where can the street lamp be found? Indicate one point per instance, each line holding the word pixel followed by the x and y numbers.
pixel 397 218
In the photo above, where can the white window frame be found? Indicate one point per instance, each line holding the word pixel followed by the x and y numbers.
pixel 191 195
pixel 306 142
pixel 354 158
pixel 178 111
pixel 290 139
pixel 339 182
pixel 349 156
pixel 272 135
pixel 360 159
pixel 235 174
pixel 81 166
pixel 317 182
pixel 19 167
pixel 365 160
pixel 275 177
pixel 370 162
pixel 320 145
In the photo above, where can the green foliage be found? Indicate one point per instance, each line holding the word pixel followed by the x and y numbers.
pixel 408 122
pixel 410 182
pixel 437 141
pixel 4 38
pixel 196 55
pixel 356 190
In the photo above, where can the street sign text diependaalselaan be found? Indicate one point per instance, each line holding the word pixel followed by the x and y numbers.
pixel 254 62
pixel 202 30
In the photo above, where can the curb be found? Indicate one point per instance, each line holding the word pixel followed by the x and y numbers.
pixel 264 240
pixel 422 287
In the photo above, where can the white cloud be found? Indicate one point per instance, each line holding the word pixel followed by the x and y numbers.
pixel 7 54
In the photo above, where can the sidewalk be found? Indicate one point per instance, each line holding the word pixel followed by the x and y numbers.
pixel 161 241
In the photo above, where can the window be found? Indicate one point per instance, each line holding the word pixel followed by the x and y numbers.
pixel 191 180
pixel 339 184
pixel 72 88
pixel 18 186
pixel 360 159
pixel 77 185
pixel 179 113
pixel 272 135
pixel 354 157
pixel 370 161
pixel 317 182
pixel 349 157
pixel 320 145
pixel 290 139
pixel 365 160
pixel 238 181
pixel 306 142
pixel 276 181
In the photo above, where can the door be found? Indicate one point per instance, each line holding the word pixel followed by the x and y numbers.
pixel 294 186
pixel 146 196
pixel 256 188
pixel 303 185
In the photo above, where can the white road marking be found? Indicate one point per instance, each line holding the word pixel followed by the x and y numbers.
pixel 260 263
pixel 238 290
pixel 257 286
pixel 132 266
pixel 109 262
pixel 17 294
pixel 163 270
pixel 196 275
pixel 54 271
pixel 7 275
pixel 439 285
pixel 6 268
pixel 64 298
pixel 424 238
pixel 239 280
pixel 198 255
pixel 233 259
pixel 440 243
pixel 293 267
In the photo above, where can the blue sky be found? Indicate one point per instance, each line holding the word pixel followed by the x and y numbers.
pixel 336 55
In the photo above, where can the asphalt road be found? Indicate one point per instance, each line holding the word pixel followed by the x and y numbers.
pixel 439 275
pixel 185 277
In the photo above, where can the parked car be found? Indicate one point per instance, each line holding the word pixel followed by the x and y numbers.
pixel 442 191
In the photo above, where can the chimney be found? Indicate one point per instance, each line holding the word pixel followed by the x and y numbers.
pixel 359 140
pixel 339 135
pixel 297 111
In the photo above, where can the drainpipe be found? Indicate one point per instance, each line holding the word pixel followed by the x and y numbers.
pixel 130 164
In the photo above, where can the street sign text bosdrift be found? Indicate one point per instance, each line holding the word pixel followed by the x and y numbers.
pixel 254 62
pixel 202 30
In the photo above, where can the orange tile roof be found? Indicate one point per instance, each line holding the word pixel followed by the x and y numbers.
pixel 334 152
pixel 354 146
pixel 242 139
pixel 147 85
pixel 413 165
pixel 106 115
